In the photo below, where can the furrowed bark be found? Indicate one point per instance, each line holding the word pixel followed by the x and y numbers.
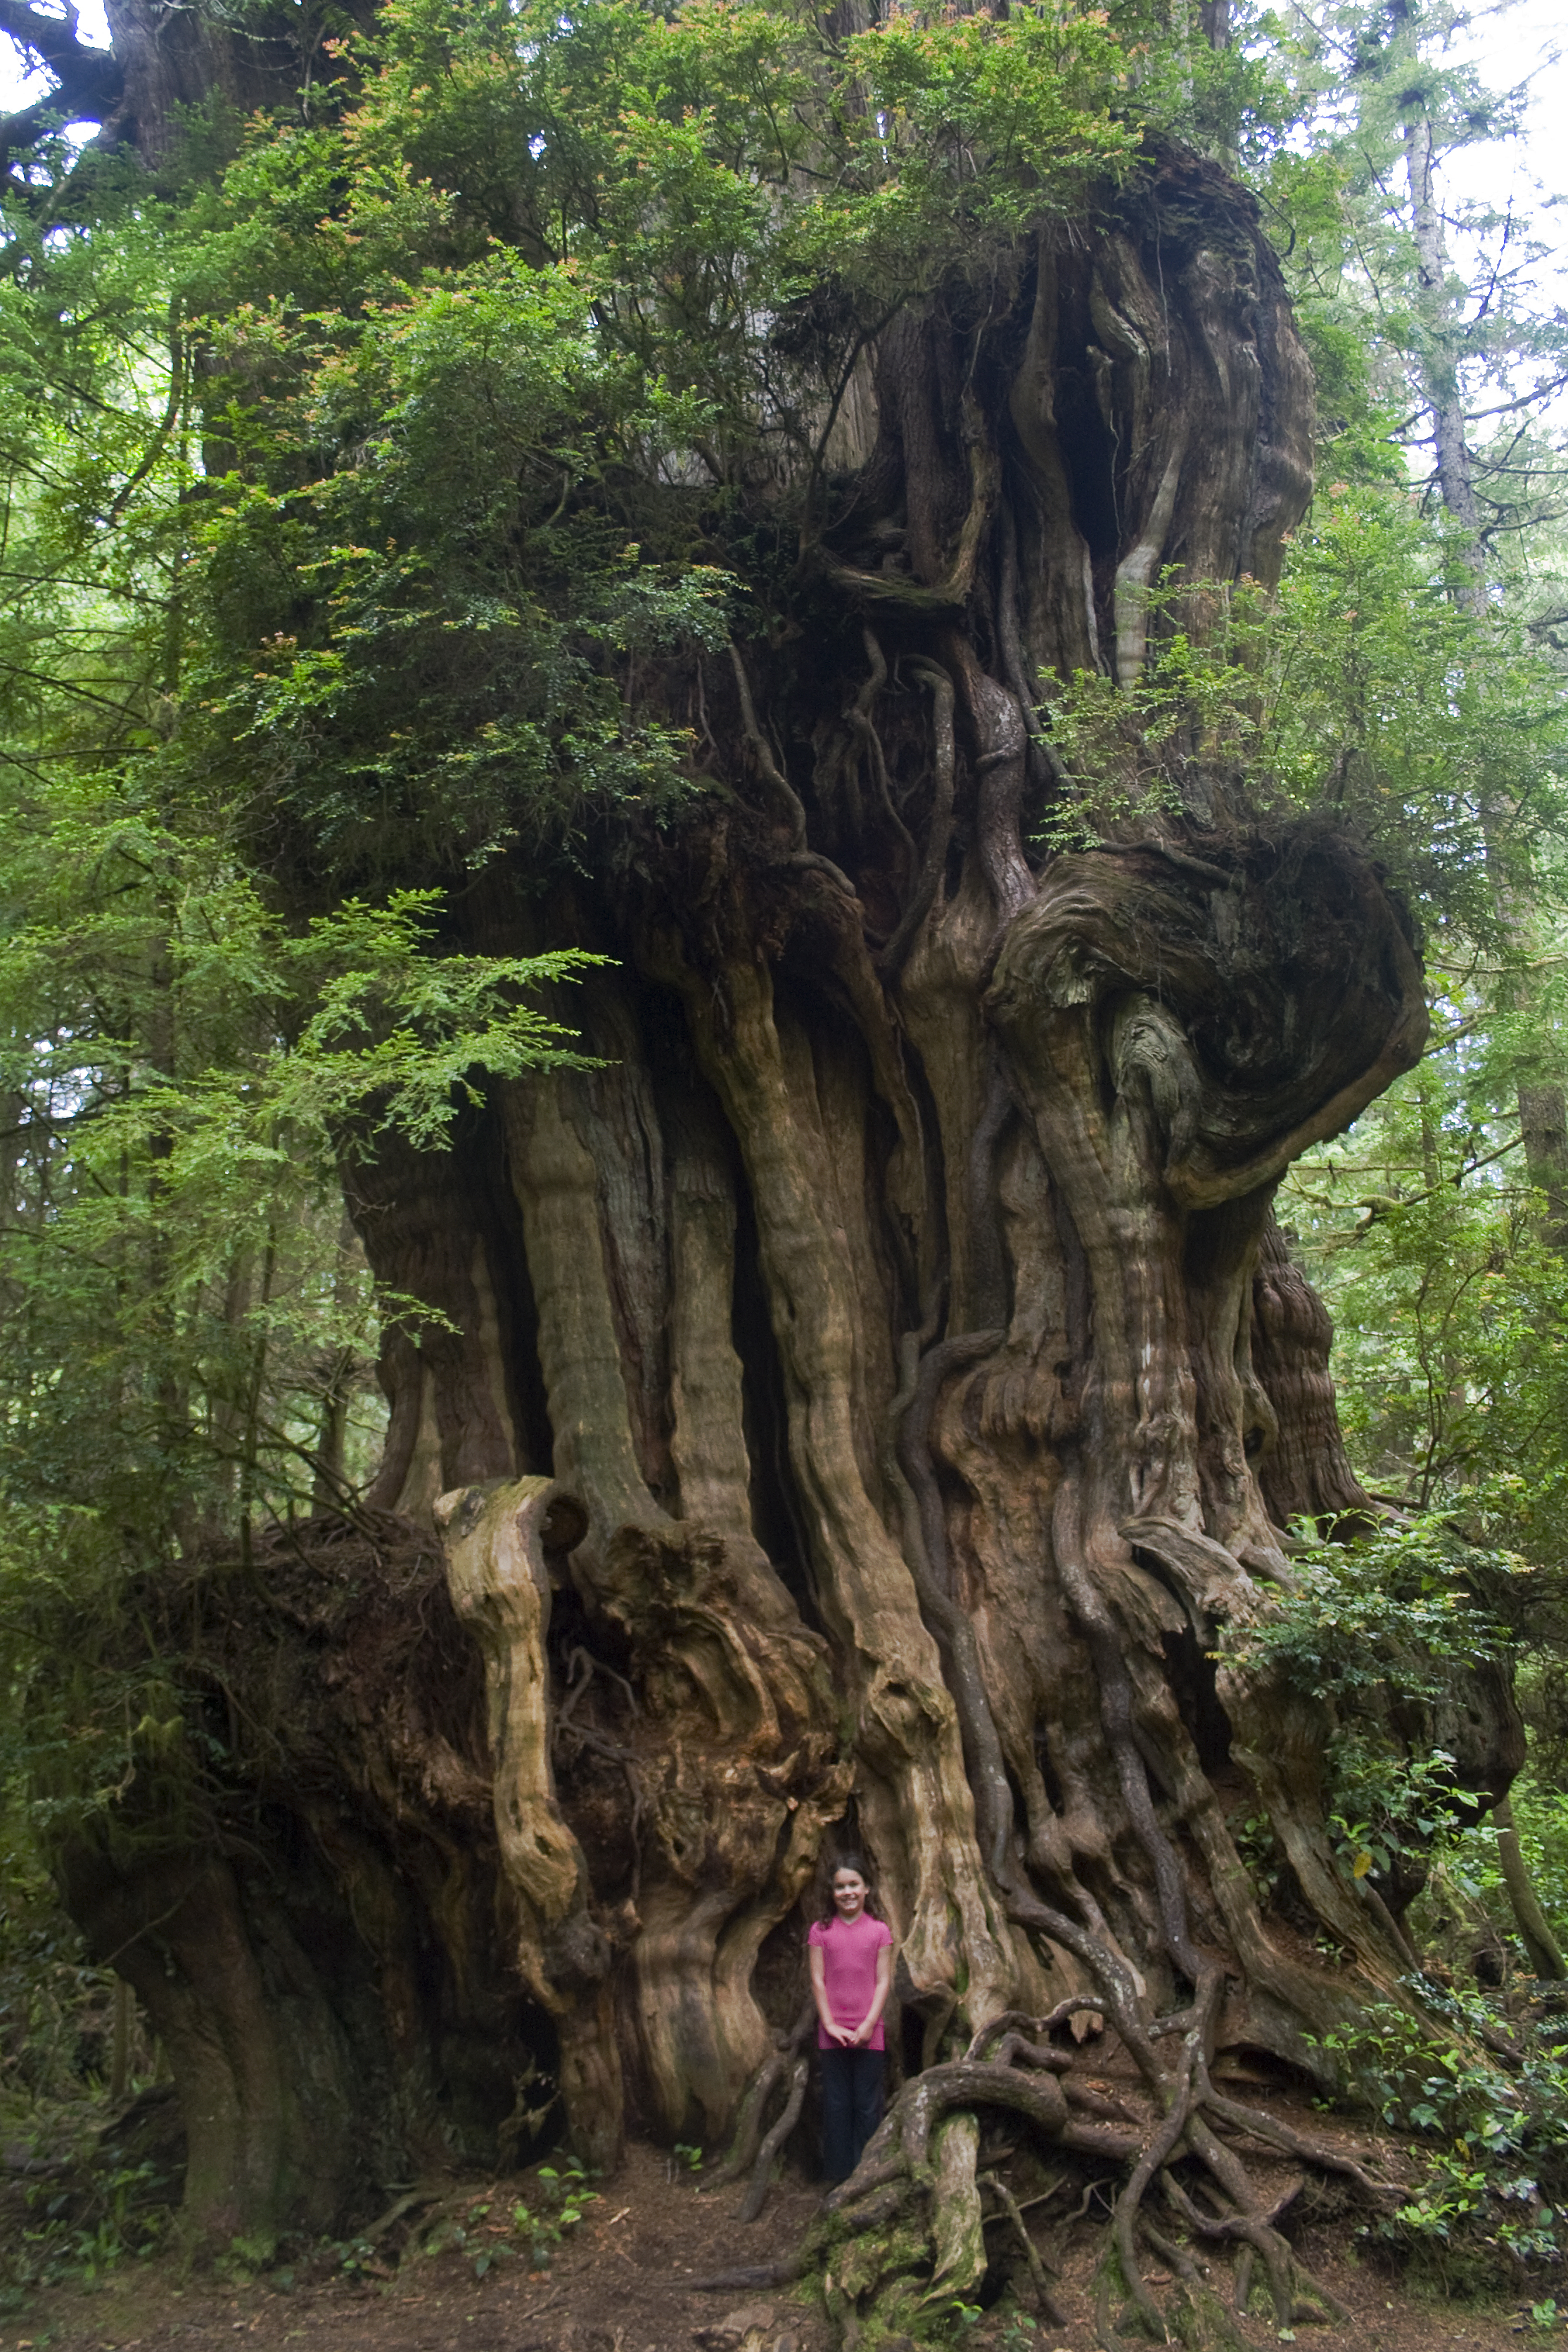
pixel 906 1733
pixel 871 1404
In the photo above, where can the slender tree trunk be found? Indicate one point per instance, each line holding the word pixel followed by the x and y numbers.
pixel 1544 1124
pixel 1535 1931
pixel 1540 1107
pixel 1439 360
pixel 337 1372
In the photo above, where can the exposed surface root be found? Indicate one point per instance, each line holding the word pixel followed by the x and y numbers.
pixel 762 2172
pixel 880 2235
pixel 748 2149
pixel 1294 2143
pixel 758 2274
pixel 1049 2308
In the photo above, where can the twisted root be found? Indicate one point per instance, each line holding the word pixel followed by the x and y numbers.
pixel 748 2149
pixel 755 2196
pixel 873 2233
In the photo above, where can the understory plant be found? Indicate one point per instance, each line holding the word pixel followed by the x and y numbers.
pixel 1484 2096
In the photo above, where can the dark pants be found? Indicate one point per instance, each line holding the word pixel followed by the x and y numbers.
pixel 851 2107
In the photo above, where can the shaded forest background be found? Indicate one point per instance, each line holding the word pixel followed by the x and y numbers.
pixel 426 446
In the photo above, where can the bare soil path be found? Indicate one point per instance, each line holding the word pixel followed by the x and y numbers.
pixel 625 2282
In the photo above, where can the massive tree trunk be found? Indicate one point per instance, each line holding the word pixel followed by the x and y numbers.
pixel 862 1405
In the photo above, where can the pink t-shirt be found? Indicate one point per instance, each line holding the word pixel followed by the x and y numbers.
pixel 849 1948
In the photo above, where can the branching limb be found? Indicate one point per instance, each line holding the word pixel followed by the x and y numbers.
pixel 1171 2130
pixel 1294 2143
pixel 873 2211
pixel 1008 2032
pixel 741 2154
pixel 1246 2263
pixel 1254 2229
pixel 1220 2330
pixel 747 2135
pixel 1106 2336
pixel 1094 2103
pixel 876 2170
pixel 1076 2005
pixel 89 82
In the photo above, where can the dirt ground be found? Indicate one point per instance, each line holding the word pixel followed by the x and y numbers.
pixel 626 2282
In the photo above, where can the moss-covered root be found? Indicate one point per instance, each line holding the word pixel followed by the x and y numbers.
pixel 958 2230
pixel 1196 2315
pixel 901 2243
pixel 1200 2316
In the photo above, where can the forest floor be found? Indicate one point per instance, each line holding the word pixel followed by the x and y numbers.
pixel 625 2281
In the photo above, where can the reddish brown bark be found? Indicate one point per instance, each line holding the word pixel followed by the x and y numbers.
pixel 867 1401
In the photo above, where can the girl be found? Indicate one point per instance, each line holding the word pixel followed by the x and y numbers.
pixel 852 1973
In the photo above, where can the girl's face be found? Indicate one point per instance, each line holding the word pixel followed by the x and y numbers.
pixel 850 1892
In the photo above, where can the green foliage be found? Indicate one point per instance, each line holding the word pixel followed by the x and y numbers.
pixel 489 2237
pixel 1368 1629
pixel 1370 89
pixel 1425 1233
pixel 1501 2127
pixel 191 1329
pixel 1383 1803
pixel 87 2207
pixel 375 484
pixel 423 646
pixel 1541 1822
pixel 47 1993
pixel 187 1319
pixel 372 505
pixel 1467 1898
pixel 1363 693
pixel 1434 1255
pixel 517 377
pixel 1398 1603
pixel 75 2239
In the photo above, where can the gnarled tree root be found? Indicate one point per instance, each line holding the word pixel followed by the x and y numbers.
pixel 750 2149
pixel 1013 2213
pixel 756 2194
pixel 876 2242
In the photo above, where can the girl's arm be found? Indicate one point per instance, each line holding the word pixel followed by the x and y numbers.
pixel 840 2036
pixel 867 2026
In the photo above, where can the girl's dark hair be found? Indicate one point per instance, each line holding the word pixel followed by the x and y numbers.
pixel 829 1869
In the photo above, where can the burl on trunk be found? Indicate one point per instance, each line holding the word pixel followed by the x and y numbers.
pixel 866 1398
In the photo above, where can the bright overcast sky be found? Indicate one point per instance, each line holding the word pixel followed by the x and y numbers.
pixel 1512 45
